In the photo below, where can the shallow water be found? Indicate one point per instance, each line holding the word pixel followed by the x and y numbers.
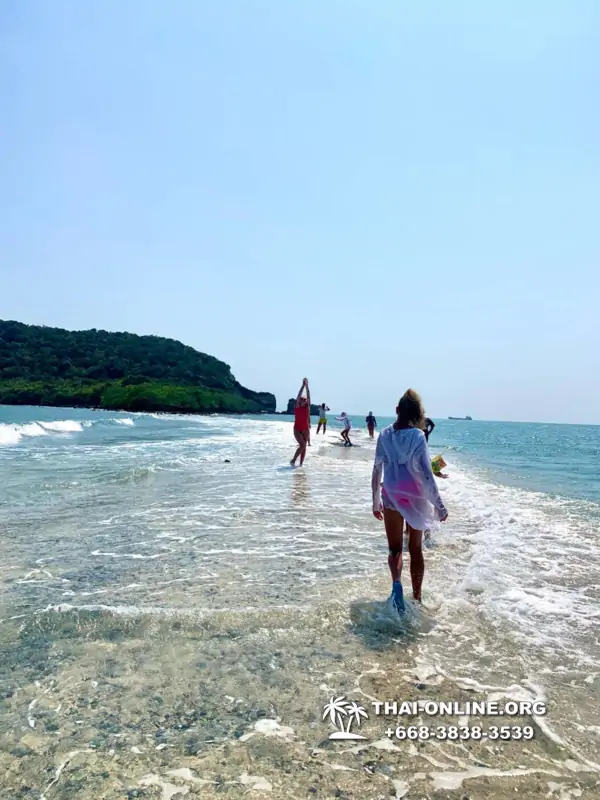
pixel 178 605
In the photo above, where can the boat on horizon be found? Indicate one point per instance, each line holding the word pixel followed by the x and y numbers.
pixel 462 418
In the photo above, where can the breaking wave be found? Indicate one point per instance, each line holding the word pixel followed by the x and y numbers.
pixel 11 434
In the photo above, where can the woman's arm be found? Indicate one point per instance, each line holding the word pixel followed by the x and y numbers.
pixel 299 395
pixel 376 489
pixel 376 479
pixel 429 483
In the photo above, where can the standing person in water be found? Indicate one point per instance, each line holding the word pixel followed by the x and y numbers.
pixel 323 409
pixel 410 492
pixel 302 423
pixel 347 426
pixel 371 424
pixel 428 426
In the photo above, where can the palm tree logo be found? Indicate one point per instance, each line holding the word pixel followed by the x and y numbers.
pixel 336 709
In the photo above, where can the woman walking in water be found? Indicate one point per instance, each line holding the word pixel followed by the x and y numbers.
pixel 302 423
pixel 410 492
pixel 371 424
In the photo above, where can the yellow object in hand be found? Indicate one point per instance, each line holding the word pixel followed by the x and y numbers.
pixel 438 464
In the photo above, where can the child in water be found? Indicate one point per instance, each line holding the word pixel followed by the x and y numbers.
pixel 347 426
pixel 410 492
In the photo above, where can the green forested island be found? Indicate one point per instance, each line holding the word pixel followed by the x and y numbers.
pixel 55 367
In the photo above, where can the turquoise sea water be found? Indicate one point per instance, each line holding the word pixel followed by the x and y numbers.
pixel 558 459
pixel 153 565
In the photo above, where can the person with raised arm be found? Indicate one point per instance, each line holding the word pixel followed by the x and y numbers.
pixel 347 426
pixel 302 423
pixel 428 427
pixel 410 493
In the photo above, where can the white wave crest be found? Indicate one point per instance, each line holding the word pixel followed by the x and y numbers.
pixel 32 429
pixel 62 426
pixel 9 434
pixel 12 434
pixel 109 421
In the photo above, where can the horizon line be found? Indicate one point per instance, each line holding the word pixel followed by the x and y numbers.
pixel 474 419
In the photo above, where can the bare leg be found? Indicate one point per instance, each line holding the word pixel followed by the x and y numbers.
pixel 301 449
pixel 417 562
pixel 324 428
pixel 303 454
pixel 394 529
pixel 319 428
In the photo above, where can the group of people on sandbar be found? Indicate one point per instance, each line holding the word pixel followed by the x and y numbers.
pixel 403 483
pixel 302 424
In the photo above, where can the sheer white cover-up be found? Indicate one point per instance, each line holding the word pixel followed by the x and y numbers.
pixel 409 485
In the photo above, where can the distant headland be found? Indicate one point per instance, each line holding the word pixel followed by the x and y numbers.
pixel 315 411
pixel 47 366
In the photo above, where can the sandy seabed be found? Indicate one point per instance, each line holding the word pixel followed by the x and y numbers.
pixel 101 705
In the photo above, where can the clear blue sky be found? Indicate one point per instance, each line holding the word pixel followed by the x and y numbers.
pixel 376 194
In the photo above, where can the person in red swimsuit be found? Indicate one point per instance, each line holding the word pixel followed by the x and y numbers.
pixel 302 423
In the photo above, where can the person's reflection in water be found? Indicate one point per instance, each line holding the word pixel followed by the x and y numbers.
pixel 300 490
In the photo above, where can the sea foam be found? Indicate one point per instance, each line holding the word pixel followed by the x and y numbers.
pixel 11 434
pixel 62 426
